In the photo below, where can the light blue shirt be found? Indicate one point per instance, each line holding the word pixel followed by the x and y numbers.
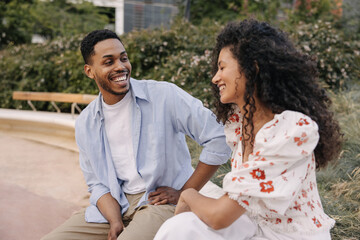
pixel 162 114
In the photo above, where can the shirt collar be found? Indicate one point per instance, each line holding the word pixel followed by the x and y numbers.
pixel 136 89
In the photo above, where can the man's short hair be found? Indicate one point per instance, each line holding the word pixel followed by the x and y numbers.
pixel 88 43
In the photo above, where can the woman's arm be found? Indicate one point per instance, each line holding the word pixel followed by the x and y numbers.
pixel 216 213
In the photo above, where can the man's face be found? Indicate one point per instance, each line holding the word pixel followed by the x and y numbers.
pixel 111 69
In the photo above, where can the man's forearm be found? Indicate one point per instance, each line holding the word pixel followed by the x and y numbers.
pixel 110 208
pixel 201 175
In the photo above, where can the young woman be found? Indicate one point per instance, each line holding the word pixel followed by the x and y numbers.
pixel 280 129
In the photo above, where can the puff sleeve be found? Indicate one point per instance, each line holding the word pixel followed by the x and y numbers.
pixel 281 158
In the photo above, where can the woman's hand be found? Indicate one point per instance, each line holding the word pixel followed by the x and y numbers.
pixel 182 206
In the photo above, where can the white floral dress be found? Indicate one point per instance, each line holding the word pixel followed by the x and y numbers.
pixel 277 185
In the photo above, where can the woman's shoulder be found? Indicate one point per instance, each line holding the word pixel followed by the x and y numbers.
pixel 289 121
pixel 288 131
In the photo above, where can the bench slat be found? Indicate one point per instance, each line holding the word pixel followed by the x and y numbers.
pixel 55 97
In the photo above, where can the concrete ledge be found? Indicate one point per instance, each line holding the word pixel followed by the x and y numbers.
pixel 57 129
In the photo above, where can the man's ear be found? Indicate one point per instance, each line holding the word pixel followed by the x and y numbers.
pixel 88 71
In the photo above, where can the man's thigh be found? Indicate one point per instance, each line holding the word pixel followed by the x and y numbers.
pixel 146 222
pixel 77 228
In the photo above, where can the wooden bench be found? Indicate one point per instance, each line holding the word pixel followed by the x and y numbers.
pixel 53 97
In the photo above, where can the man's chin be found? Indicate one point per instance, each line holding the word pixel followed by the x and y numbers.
pixel 121 93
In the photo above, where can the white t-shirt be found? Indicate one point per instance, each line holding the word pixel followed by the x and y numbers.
pixel 118 131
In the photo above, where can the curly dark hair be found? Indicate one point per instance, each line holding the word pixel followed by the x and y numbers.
pixel 90 40
pixel 281 77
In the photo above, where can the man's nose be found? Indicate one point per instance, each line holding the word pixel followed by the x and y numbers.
pixel 119 65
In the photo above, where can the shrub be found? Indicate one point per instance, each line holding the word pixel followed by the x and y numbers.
pixel 180 55
pixel 338 58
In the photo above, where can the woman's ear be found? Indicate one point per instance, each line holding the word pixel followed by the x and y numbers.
pixel 88 71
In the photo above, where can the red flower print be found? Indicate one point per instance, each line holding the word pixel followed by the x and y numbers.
pixel 237 178
pixel 302 121
pixel 272 210
pixel 246 202
pixel 237 131
pixel 304 193
pixel 245 165
pixel 278 220
pixel 301 140
pixel 311 206
pixel 272 125
pixel 283 172
pixel 284 178
pixel 297 206
pixel 258 174
pixel 260 159
pixel 289 220
pixel 272 164
pixel 234 118
pixel 318 203
pixel 267 187
pixel 316 222
pixel 304 153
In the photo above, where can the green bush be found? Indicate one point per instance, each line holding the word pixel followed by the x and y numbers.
pixel 338 58
pixel 181 55
pixel 52 67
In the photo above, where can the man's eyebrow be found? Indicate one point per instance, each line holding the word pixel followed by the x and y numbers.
pixel 110 56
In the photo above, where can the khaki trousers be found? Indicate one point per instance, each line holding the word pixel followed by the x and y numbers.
pixel 140 224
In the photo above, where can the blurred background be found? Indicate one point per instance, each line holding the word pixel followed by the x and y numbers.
pixel 172 40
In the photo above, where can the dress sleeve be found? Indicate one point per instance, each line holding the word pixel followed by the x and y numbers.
pixel 274 172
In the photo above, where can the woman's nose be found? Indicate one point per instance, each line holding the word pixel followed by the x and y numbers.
pixel 215 79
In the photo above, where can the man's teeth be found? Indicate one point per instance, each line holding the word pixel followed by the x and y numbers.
pixel 118 79
pixel 222 87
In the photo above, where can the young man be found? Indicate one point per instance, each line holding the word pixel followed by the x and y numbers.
pixel 132 147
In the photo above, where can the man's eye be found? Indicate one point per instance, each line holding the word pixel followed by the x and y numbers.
pixel 124 59
pixel 108 62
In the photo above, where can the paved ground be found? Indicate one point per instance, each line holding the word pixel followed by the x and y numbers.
pixel 40 187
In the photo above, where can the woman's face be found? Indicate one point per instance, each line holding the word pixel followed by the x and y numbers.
pixel 229 80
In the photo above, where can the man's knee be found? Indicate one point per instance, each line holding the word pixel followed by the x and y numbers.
pixel 148 219
pixel 77 228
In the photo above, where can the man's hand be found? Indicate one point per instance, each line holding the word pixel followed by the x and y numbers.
pixel 164 195
pixel 115 230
